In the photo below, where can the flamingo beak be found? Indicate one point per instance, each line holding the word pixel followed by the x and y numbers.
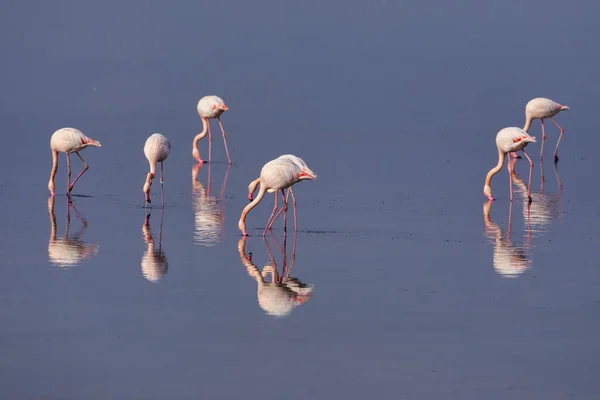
pixel 249 196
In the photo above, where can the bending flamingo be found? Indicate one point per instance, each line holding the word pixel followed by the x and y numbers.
pixel 541 108
pixel 209 107
pixel 509 140
pixel 276 175
pixel 68 140
pixel 156 150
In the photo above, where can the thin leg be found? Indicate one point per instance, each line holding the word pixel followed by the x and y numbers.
pixel 530 172
pixel 276 215
pixel 275 205
pixel 162 189
pixel 224 141
pixel 68 173
pixel 294 203
pixel 285 207
pixel 510 179
pixel 85 168
pixel 559 139
pixel 209 143
pixel 509 221
pixel 543 140
pixel 543 179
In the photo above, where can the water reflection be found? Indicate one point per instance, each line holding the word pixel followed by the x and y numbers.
pixel 544 207
pixel 68 250
pixel 209 211
pixel 154 261
pixel 282 293
pixel 510 258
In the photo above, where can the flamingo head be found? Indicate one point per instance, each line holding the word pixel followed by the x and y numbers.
pixel 220 107
pixel 307 174
pixel 487 190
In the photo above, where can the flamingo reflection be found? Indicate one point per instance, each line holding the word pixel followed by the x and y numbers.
pixel 544 207
pixel 209 211
pixel 154 262
pixel 510 258
pixel 68 250
pixel 283 293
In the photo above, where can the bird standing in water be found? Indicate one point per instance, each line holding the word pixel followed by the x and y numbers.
pixel 509 140
pixel 541 108
pixel 209 107
pixel 68 140
pixel 156 150
pixel 276 175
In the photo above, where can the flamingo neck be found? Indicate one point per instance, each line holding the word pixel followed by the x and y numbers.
pixel 494 171
pixel 203 133
pixel 250 206
pixel 527 123
pixel 252 186
pixel 53 171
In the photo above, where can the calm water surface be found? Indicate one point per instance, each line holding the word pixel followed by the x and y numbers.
pixel 401 282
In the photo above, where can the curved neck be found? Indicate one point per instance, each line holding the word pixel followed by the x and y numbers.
pixel 252 185
pixel 203 133
pixel 527 123
pixel 253 203
pixel 494 171
pixel 54 164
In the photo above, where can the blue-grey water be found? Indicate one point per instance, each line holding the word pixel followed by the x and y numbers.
pixel 404 282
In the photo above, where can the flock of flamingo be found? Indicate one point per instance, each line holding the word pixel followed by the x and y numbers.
pixel 513 139
pixel 276 175
pixel 279 175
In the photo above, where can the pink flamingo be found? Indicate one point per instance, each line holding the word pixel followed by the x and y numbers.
pixel 541 108
pixel 156 150
pixel 276 175
pixel 209 107
pixel 68 140
pixel 509 140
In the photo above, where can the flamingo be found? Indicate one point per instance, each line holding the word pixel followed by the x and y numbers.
pixel 156 150
pixel 209 107
pixel 68 140
pixel 509 140
pixel 276 175
pixel 541 108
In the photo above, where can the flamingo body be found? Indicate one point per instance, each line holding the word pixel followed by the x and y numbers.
pixel 68 140
pixel 542 108
pixel 211 107
pixel 156 150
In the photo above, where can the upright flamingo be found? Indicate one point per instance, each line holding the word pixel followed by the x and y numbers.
pixel 509 140
pixel 68 140
pixel 209 107
pixel 156 149
pixel 276 175
pixel 541 108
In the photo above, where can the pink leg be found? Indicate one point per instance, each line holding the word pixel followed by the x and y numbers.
pixel 559 139
pixel 209 143
pixel 224 141
pixel 530 172
pixel 162 189
pixel 294 203
pixel 85 168
pixel 275 205
pixel 508 166
pixel 276 215
pixel 285 207
pixel 543 140
pixel 68 173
